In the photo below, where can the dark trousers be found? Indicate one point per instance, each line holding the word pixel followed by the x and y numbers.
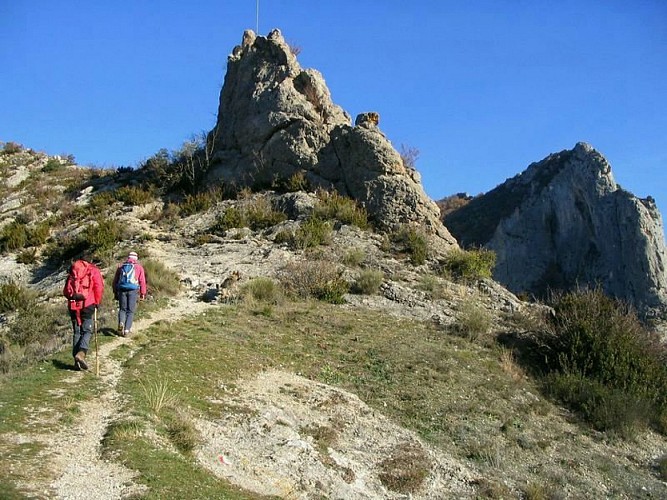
pixel 127 304
pixel 83 331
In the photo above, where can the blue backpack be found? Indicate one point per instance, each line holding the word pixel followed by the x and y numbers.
pixel 128 278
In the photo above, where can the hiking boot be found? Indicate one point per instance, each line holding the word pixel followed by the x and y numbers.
pixel 77 366
pixel 121 329
pixel 80 360
pixel 126 333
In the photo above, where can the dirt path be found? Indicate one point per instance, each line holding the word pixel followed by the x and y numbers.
pixel 74 455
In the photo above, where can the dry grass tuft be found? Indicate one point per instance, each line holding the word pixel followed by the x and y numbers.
pixel 406 468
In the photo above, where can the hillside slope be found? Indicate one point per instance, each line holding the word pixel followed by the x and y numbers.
pixel 229 389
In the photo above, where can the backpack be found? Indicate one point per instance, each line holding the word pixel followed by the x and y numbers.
pixel 127 279
pixel 79 284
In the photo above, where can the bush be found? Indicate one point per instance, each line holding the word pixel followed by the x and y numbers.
pixel 42 328
pixel 412 241
pixel 354 257
pixel 334 206
pixel 28 256
pixel 319 279
pixel 97 241
pixel 161 281
pixel 604 407
pixel 312 232
pixel 14 237
pixel 14 297
pixel 469 264
pixel 368 282
pixel 52 165
pixel 10 148
pixel 296 182
pixel 197 203
pixel 255 213
pixel 473 321
pixel 133 196
pixel 604 361
pixel 662 467
pixel 263 290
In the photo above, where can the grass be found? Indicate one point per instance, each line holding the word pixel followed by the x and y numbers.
pixel 455 394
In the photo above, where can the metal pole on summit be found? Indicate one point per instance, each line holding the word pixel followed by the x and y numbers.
pixel 257 18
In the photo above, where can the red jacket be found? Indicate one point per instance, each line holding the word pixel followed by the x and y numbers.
pixel 139 273
pixel 91 280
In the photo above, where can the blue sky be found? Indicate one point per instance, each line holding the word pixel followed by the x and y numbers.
pixel 481 88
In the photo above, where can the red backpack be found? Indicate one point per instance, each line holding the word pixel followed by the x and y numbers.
pixel 79 284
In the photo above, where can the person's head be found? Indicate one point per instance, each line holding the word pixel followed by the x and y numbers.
pixel 133 256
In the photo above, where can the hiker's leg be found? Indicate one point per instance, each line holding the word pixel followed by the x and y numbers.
pixel 86 328
pixel 76 333
pixel 132 297
pixel 122 308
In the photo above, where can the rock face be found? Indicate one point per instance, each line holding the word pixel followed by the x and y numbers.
pixel 276 120
pixel 565 222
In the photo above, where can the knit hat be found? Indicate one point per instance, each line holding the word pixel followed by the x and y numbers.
pixel 133 256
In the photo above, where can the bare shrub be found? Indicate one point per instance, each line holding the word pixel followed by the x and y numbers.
pixel 406 468
pixel 409 156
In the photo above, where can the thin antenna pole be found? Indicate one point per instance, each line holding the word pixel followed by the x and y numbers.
pixel 257 18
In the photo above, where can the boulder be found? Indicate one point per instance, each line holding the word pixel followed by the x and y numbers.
pixel 277 120
pixel 564 222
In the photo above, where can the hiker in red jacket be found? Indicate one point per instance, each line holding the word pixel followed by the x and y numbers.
pixel 129 284
pixel 83 289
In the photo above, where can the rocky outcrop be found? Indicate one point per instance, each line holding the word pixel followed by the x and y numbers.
pixel 565 222
pixel 276 120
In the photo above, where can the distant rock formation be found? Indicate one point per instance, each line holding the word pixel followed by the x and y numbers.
pixel 276 120
pixel 565 222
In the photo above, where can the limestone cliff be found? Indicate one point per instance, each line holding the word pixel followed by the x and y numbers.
pixel 565 222
pixel 276 120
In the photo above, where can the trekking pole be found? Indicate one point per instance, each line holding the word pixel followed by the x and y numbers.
pixel 97 353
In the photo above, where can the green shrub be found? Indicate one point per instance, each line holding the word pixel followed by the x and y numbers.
pixel 368 282
pixel 312 232
pixel 14 297
pixel 604 407
pixel 260 214
pixel 263 290
pixel 28 256
pixel 197 203
pixel 133 196
pixel 256 213
pixel 319 279
pixel 53 165
pixel 354 257
pixel 182 432
pixel 604 357
pixel 10 148
pixel 162 281
pixel 98 241
pixel 334 206
pixel 100 202
pixel 473 321
pixel 14 237
pixel 40 327
pixel 412 241
pixel 230 218
pixel 469 264
pixel 296 182
pixel 662 467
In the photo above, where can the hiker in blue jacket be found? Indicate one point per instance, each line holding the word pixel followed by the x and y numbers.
pixel 129 285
